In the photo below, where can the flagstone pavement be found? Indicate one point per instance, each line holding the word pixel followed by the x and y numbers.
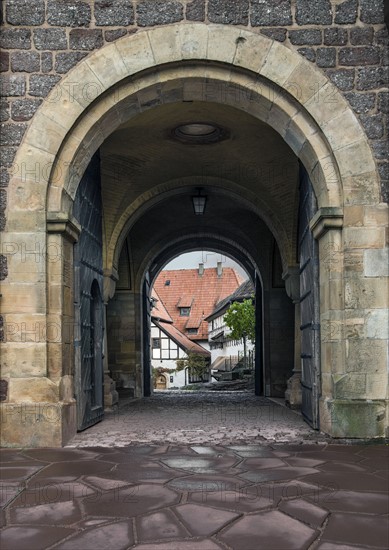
pixel 223 479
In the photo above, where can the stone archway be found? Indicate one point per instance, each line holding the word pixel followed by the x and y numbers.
pixel 95 98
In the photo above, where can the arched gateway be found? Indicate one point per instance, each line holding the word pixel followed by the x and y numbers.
pixel 238 79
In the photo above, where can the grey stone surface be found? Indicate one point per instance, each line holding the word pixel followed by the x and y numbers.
pixel 361 36
pixel 4 61
pixel 275 34
pixel 364 55
pixel 46 62
pixel 342 78
pixel 114 34
pixel 4 178
pixel 270 12
pixel 381 149
pixel 370 78
pixel 385 190
pixel 3 199
pixel 383 102
pixel 3 267
pixel 113 12
pixel 24 109
pixel 383 170
pixel 157 12
pixel 308 53
pixel 15 39
pixel 85 39
pixel 336 36
pixel 195 10
pixel 50 39
pixel 373 125
pixel 4 110
pixel 41 85
pixel 12 85
pixel 306 36
pixel 7 155
pixel 326 57
pixel 72 13
pixel 28 62
pixel 235 12
pixel 372 11
pixel 65 61
pixel 346 12
pixel 11 134
pixel 361 103
pixel 313 12
pixel 25 12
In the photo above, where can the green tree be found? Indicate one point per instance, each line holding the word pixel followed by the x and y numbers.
pixel 194 362
pixel 240 319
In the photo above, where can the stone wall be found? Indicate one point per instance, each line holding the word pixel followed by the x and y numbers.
pixel 43 39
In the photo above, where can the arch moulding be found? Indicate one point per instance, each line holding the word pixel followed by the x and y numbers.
pixel 98 95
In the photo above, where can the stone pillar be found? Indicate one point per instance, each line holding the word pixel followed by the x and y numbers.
pixel 354 321
pixel 39 409
pixel 292 285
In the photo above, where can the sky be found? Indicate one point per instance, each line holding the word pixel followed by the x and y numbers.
pixel 191 260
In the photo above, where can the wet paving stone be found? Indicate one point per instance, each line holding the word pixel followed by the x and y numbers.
pixel 160 525
pixel 205 544
pixel 340 467
pixel 334 497
pixel 59 513
pixel 353 501
pixel 207 483
pixel 203 520
pixel 304 511
pixel 70 471
pixel 359 529
pixel 131 501
pixel 240 501
pixel 276 474
pixel 38 493
pixel 271 530
pixel 346 480
pixel 101 538
pixel 16 473
pixel 201 465
pixel 33 538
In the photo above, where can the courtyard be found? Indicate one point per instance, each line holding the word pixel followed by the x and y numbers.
pixel 200 470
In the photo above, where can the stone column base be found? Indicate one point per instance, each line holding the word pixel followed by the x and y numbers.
pixel 111 396
pixel 293 392
pixel 362 419
pixel 41 424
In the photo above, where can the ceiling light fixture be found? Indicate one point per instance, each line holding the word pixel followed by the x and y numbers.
pixel 199 133
pixel 199 201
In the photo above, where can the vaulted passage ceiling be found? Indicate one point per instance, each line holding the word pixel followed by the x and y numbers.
pixel 249 174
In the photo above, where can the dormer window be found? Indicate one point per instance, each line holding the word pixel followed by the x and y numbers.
pixel 184 311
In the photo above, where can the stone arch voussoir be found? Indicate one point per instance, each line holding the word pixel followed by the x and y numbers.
pixel 308 115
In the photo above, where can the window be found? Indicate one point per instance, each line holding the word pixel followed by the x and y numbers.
pixel 156 343
pixel 184 311
pixel 192 330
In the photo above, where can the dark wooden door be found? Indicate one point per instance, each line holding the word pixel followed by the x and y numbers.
pixel 309 303
pixel 88 282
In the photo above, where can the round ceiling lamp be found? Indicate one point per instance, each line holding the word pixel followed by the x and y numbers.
pixel 199 133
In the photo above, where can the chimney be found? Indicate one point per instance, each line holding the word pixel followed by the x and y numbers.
pixel 219 269
pixel 201 269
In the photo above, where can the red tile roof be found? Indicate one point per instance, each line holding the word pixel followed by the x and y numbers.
pixel 203 292
pixel 181 340
pixel 159 310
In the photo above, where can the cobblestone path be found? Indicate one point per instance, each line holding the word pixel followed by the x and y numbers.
pixel 197 417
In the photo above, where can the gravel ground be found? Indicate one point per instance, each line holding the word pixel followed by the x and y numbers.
pixel 182 417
